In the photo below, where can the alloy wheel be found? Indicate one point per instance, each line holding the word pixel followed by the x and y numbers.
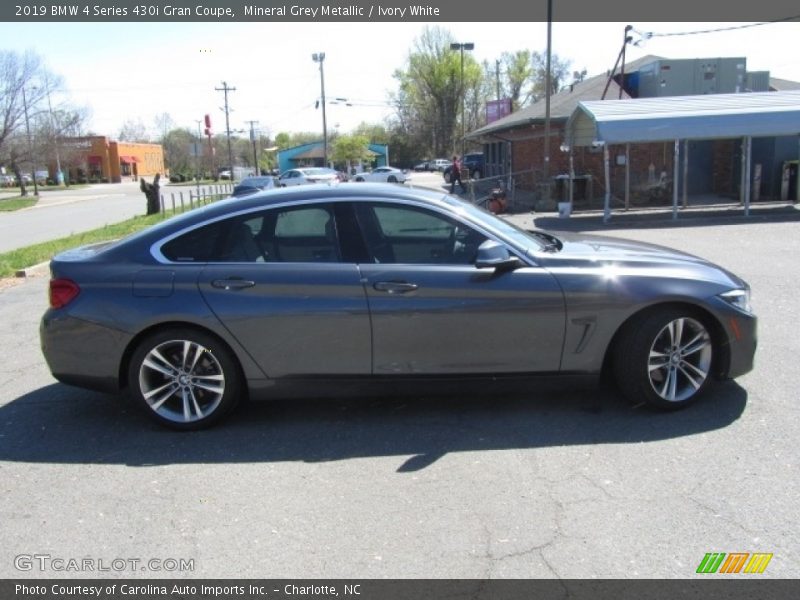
pixel 680 359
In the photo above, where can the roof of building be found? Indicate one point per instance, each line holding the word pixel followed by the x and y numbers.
pixel 563 104
pixel 711 116
pixel 783 85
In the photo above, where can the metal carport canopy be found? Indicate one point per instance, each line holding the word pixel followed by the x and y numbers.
pixel 712 116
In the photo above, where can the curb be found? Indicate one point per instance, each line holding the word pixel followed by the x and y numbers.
pixel 35 271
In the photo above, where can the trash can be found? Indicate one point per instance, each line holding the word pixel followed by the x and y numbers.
pixel 564 210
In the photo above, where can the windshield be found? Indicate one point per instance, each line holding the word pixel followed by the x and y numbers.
pixel 523 239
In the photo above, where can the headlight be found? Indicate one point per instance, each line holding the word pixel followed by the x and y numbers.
pixel 739 298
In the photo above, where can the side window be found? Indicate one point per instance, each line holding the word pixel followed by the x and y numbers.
pixel 410 235
pixel 198 245
pixel 305 234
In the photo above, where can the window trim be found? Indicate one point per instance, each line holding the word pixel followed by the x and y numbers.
pixel 158 256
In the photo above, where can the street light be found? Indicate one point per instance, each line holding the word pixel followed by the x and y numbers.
pixel 461 47
pixel 319 57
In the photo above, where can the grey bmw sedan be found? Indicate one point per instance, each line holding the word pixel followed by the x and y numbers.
pixel 315 287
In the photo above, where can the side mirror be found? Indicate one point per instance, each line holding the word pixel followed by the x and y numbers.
pixel 494 255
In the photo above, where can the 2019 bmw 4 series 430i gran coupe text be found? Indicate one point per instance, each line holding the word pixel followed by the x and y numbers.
pixel 379 283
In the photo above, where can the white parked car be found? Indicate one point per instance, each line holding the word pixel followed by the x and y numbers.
pixel 307 175
pixel 383 175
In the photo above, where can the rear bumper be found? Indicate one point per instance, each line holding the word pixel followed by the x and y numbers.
pixel 82 353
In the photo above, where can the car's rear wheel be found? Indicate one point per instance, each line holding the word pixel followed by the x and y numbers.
pixel 184 379
pixel 664 358
pixel 360 179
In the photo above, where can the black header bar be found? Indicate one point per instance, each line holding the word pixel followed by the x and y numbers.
pixel 489 11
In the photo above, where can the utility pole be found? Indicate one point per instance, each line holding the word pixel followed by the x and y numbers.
pixel 319 57
pixel 227 89
pixel 547 85
pixel 497 76
pixel 59 174
pixel 253 139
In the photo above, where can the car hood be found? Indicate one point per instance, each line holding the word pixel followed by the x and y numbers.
pixel 585 251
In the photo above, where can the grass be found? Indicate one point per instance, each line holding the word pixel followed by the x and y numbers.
pixel 22 258
pixel 17 203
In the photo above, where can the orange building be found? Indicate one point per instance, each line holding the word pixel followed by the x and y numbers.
pixel 96 158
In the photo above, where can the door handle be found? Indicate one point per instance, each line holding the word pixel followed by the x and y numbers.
pixel 395 287
pixel 234 283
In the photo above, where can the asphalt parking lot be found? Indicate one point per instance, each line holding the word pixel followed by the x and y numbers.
pixel 538 483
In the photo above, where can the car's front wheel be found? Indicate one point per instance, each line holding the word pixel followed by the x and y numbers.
pixel 392 179
pixel 184 379
pixel 664 358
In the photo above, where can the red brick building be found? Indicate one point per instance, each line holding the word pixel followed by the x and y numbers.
pixel 515 143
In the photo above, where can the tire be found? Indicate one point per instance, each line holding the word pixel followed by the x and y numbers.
pixel 391 179
pixel 184 379
pixel 447 177
pixel 664 358
pixel 361 179
pixel 476 174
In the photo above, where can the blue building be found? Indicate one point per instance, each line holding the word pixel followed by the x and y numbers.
pixel 312 155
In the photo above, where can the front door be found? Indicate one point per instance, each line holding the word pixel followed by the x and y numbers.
pixel 433 312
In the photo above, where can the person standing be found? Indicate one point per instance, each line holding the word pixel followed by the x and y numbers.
pixel 455 175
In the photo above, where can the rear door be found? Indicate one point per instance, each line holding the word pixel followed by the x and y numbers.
pixel 279 285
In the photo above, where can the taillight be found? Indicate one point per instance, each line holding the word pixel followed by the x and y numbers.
pixel 62 292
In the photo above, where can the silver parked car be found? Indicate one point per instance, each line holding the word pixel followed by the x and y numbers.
pixel 322 284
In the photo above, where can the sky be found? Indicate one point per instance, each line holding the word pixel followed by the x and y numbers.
pixel 136 71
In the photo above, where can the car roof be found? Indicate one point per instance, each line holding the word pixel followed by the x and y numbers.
pixel 275 196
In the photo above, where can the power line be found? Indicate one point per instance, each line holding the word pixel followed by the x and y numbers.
pixel 650 34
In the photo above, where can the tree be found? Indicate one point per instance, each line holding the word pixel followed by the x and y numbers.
pixel 375 133
pixel 177 145
pixel 559 73
pixel 518 71
pixel 289 140
pixel 351 149
pixel 18 93
pixel 26 86
pixel 163 123
pixel 430 93
pixel 133 131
